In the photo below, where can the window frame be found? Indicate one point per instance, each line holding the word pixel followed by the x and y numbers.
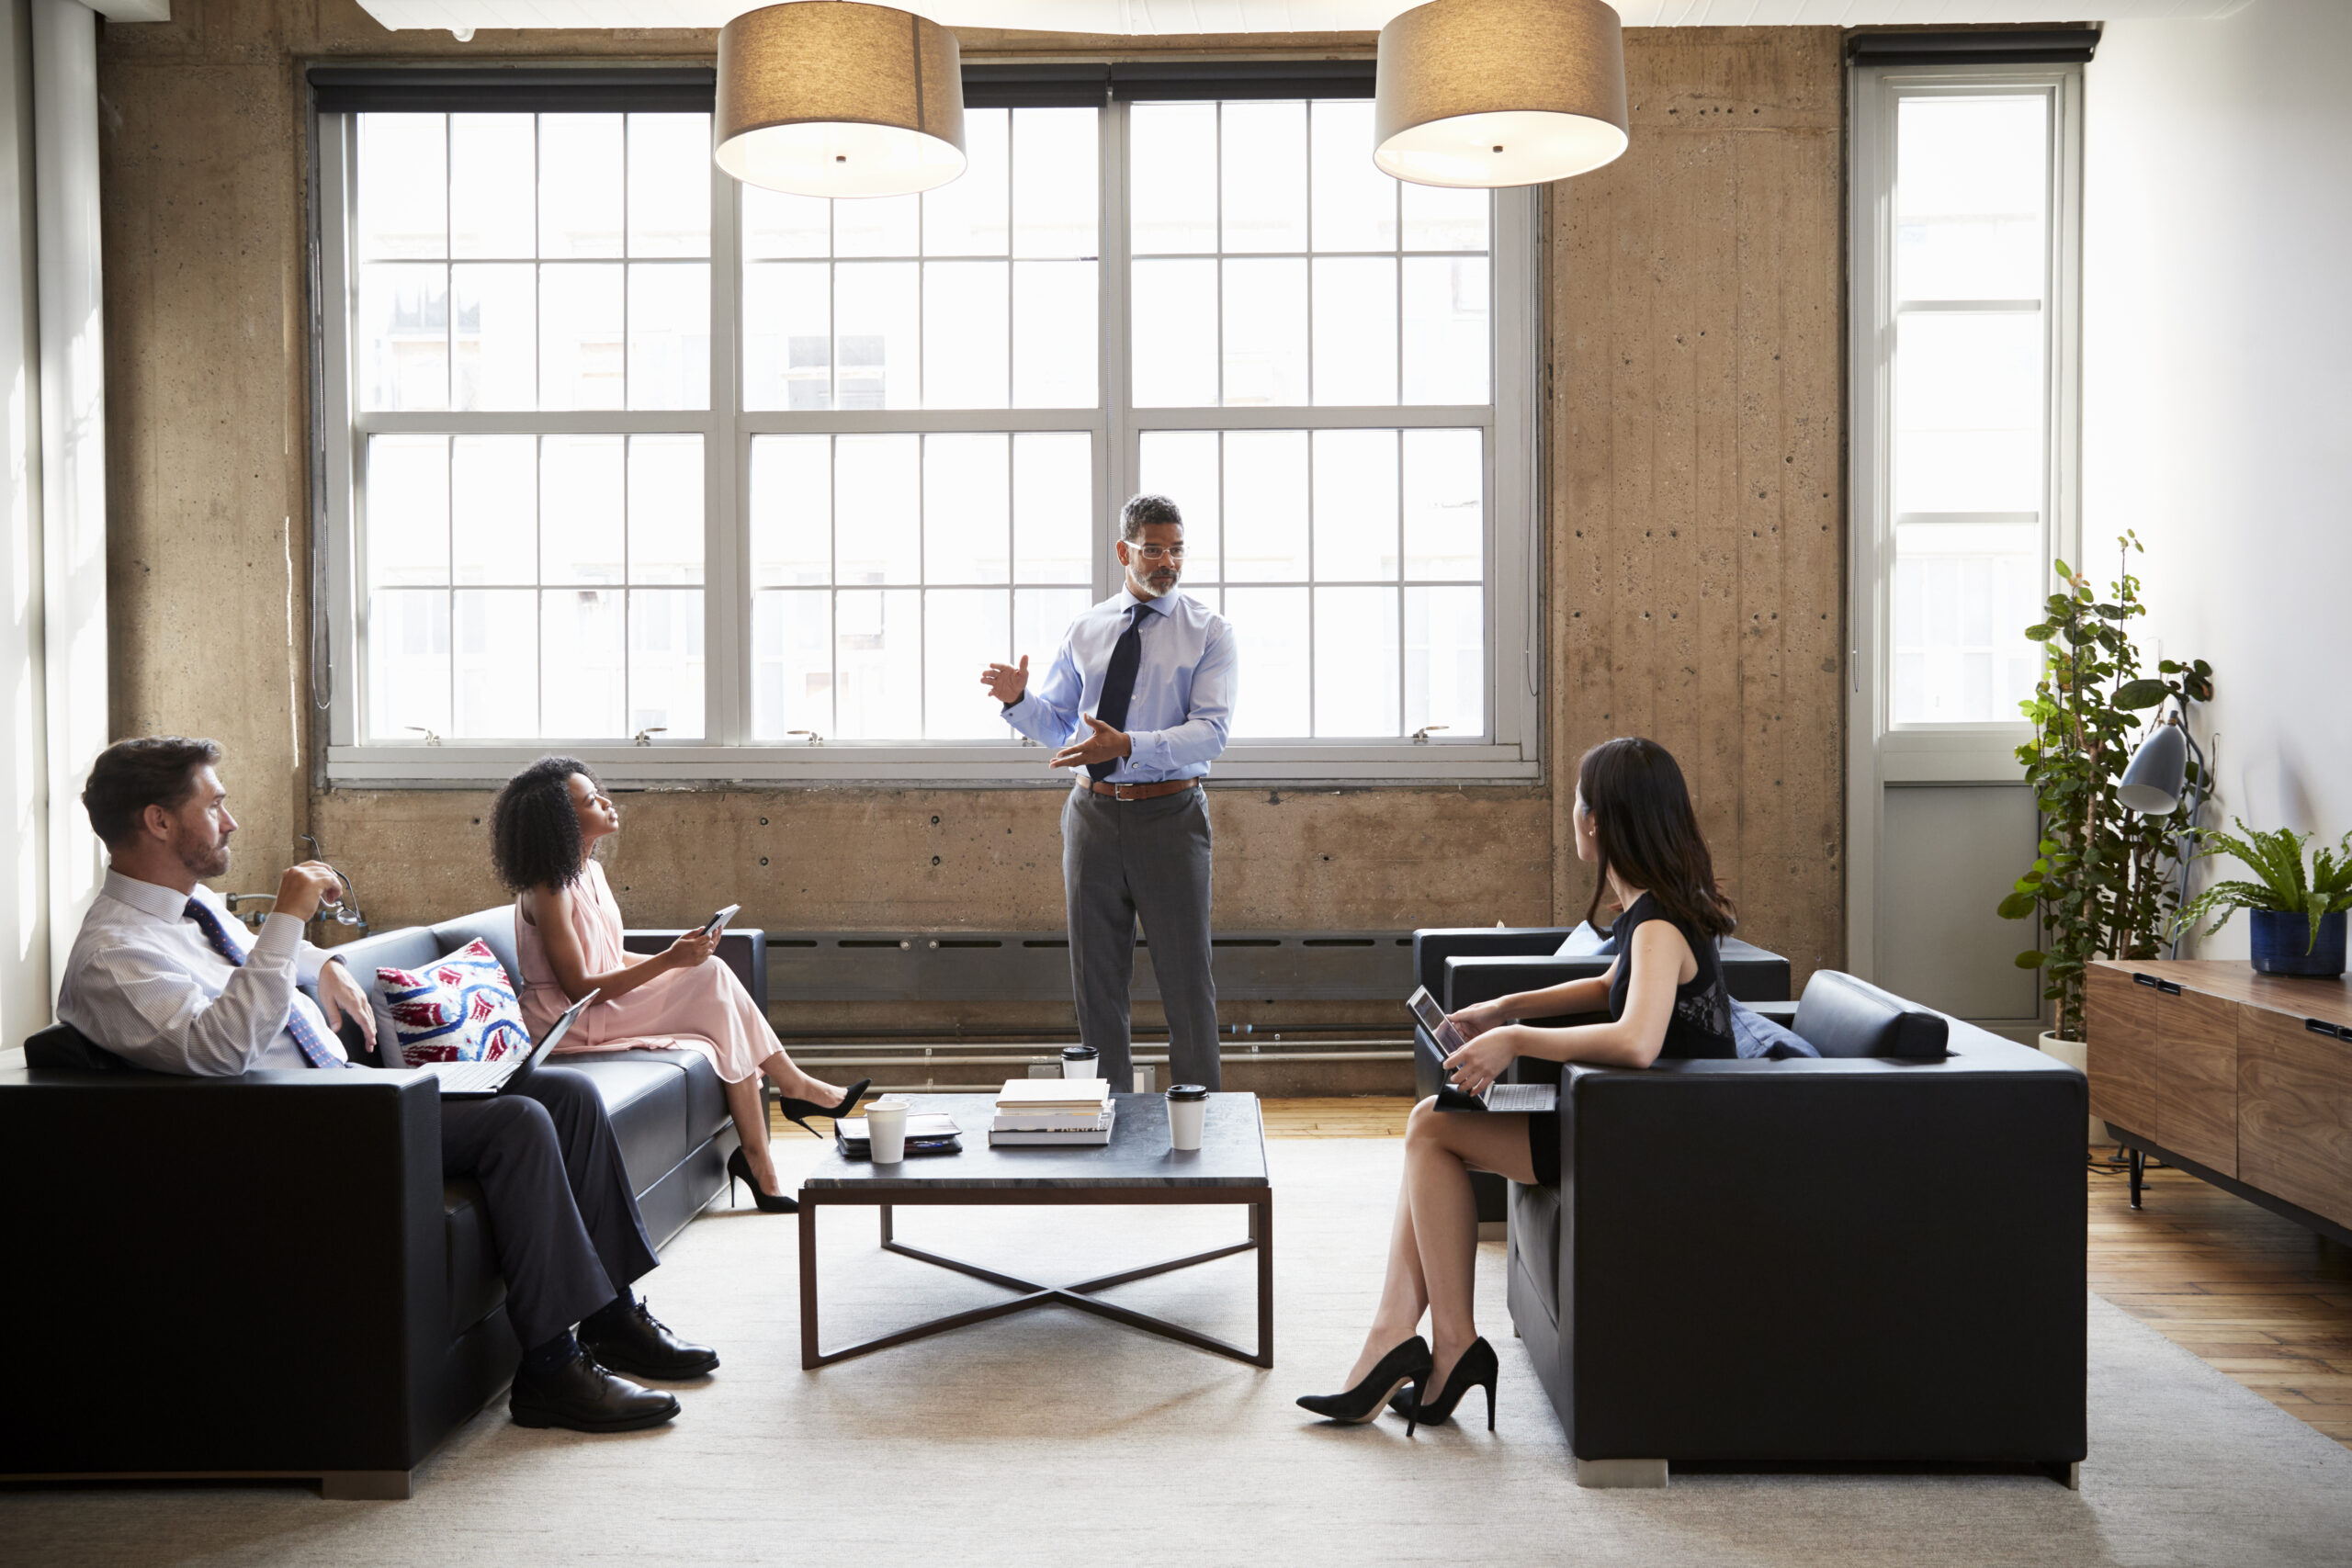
pixel 1511 753
pixel 1885 752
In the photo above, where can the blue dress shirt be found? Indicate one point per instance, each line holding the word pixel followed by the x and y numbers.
pixel 1182 706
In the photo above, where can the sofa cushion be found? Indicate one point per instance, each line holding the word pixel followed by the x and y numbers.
pixel 476 1288
pixel 645 1101
pixel 706 1096
pixel 1760 1036
pixel 459 1007
pixel 494 926
pixel 1845 1017
pixel 1535 1241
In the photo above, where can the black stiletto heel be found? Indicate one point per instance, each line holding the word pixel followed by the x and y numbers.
pixel 1478 1367
pixel 1408 1363
pixel 799 1111
pixel 740 1170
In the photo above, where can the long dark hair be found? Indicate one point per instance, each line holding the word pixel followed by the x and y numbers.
pixel 1648 835
pixel 534 830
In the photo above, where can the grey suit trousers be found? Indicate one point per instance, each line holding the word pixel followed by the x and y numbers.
pixel 1122 859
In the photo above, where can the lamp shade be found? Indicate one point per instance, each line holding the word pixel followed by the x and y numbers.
pixel 830 97
pixel 2157 773
pixel 1483 93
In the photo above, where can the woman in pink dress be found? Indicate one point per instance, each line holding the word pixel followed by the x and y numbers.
pixel 544 832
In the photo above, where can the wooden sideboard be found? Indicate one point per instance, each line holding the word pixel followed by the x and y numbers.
pixel 2242 1078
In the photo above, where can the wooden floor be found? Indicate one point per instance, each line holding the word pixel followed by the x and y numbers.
pixel 2259 1298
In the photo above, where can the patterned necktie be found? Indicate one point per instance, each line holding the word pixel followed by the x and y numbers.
pixel 315 1049
pixel 1119 685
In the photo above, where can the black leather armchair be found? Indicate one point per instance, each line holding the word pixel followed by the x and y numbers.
pixel 282 1249
pixel 1736 1267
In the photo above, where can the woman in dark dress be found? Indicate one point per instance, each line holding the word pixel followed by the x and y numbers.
pixel 1664 996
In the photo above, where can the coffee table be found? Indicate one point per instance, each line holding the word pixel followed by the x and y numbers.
pixel 1137 1167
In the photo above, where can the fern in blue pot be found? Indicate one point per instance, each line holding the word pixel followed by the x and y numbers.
pixel 2296 914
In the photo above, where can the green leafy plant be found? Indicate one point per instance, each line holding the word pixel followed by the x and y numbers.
pixel 2275 858
pixel 2102 879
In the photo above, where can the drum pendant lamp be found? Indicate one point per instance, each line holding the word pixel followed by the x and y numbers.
pixel 831 98
pixel 1486 93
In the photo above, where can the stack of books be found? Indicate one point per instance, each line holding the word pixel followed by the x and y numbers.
pixel 1075 1112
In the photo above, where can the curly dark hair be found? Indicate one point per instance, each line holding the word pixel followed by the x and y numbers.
pixel 534 831
pixel 1142 510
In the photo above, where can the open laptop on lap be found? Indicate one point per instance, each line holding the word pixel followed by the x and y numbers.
pixel 1506 1098
pixel 480 1080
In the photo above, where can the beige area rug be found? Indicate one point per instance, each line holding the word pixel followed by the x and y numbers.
pixel 1053 1438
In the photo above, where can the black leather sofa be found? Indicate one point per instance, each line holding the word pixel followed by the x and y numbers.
pixel 1464 966
pixel 1874 1258
pixel 267 1275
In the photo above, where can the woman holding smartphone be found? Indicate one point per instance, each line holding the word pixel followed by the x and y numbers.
pixel 543 837
pixel 1664 996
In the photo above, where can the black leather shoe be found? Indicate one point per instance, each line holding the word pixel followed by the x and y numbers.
pixel 639 1344
pixel 582 1396
pixel 1403 1367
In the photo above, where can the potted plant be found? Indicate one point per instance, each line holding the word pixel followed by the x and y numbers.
pixel 2102 878
pixel 2298 917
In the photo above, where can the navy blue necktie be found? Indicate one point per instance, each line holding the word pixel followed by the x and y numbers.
pixel 1119 685
pixel 306 1035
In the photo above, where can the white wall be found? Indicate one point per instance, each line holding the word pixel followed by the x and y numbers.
pixel 24 822
pixel 2218 381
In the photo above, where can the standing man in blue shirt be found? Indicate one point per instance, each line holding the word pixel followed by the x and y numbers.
pixel 1139 701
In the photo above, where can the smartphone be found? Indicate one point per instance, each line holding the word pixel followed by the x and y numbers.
pixel 718 923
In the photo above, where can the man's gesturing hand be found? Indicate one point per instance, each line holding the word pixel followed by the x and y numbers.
pixel 304 887
pixel 1006 683
pixel 1101 746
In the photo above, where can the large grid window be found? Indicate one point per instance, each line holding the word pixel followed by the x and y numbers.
pixel 702 480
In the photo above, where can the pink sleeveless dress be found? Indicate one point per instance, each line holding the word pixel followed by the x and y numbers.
pixel 705 1008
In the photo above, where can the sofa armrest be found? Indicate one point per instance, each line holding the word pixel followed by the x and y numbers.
pixel 285 1229
pixel 1479 979
pixel 1432 948
pixel 744 948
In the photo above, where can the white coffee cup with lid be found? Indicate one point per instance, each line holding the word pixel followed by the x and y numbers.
pixel 1188 1107
pixel 1081 1061
pixel 886 1129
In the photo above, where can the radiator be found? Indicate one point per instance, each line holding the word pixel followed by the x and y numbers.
pixel 1018 966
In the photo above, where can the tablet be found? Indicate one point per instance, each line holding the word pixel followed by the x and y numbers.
pixel 718 923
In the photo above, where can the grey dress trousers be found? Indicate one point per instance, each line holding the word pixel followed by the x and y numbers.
pixel 1125 859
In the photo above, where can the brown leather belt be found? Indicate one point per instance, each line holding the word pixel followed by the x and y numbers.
pixel 1140 792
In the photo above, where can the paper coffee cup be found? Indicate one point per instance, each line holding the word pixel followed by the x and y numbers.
pixel 886 1130
pixel 1081 1061
pixel 1188 1105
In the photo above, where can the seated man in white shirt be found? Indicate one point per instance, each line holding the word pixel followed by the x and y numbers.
pixel 163 976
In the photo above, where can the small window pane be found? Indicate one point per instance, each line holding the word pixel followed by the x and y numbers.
pixel 1964 594
pixel 666 508
pixel 497 663
pixel 584 667
pixel 1445 660
pixel 408 509
pixel 582 487
pixel 1445 505
pixel 669 335
pixel 1263 147
pixel 1440 218
pixel 403 190
pixel 665 663
pixel 669 185
pixel 407 656
pixel 775 225
pixel 968 526
pixel 403 336
pixel 970 215
pixel 1056 187
pixel 1968 412
pixel 498 345
pixel 1171 155
pixel 1053 506
pixel 878 654
pixel 1971 197
pixel 878 512
pixel 788 335
pixel 1355 662
pixel 791 663
pixel 1182 465
pixel 580 336
pixel 1174 327
pixel 1055 310
pixel 876 342
pixel 966 331
pixel 968 628
pixel 1265 506
pixel 1355 506
pixel 1446 331
pixel 879 226
pixel 493 162
pixel 1041 616
pixel 1272 625
pixel 496 505
pixel 1355 204
pixel 1355 329
pixel 792 511
pixel 580 185
pixel 1265 334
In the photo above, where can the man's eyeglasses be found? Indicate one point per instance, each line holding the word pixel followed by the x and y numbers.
pixel 1158 553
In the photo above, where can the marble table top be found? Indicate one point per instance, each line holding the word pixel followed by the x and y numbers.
pixel 1232 1151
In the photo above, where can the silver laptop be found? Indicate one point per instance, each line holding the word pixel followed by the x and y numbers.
pixel 1505 1097
pixel 480 1080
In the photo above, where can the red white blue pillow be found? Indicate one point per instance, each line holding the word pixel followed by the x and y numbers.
pixel 462 1008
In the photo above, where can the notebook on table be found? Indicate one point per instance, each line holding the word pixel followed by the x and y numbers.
pixel 1506 1099
pixel 926 1134
pixel 480 1080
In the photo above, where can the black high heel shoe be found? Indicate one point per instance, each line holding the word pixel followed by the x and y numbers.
pixel 1408 1363
pixel 801 1109
pixel 1477 1368
pixel 740 1170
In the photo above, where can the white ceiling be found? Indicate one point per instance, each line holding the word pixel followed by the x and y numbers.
pixel 1148 18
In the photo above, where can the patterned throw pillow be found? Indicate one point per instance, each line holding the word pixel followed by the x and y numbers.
pixel 460 1010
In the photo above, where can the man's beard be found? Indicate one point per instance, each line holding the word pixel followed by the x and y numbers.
pixel 1161 584
pixel 212 861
